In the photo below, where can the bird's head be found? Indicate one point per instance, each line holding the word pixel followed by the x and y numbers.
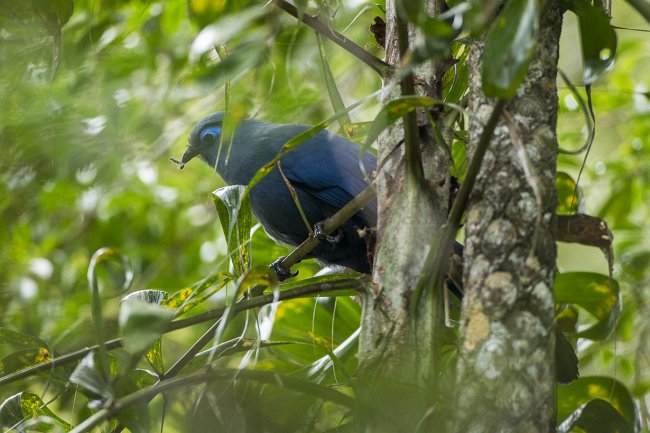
pixel 204 140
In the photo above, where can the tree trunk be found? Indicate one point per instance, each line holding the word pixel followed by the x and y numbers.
pixel 505 371
pixel 395 348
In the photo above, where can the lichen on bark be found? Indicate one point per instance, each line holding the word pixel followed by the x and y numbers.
pixel 505 368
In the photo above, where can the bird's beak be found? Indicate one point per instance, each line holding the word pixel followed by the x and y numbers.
pixel 188 155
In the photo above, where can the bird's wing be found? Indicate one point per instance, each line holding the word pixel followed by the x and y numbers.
pixel 328 166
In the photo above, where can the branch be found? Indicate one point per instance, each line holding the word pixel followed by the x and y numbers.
pixel 208 375
pixel 382 68
pixel 329 226
pixel 354 283
pixel 219 325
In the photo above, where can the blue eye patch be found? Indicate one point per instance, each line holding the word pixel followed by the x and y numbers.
pixel 210 134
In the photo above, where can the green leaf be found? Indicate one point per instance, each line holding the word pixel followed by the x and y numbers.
pixel 135 417
pixel 335 97
pixel 108 258
pixel 569 194
pixel 27 411
pixel 566 318
pixel 24 358
pixel 119 280
pixel 566 360
pixel 324 326
pixel 509 47
pixel 143 378
pixel 86 376
pixel 154 356
pixel 334 358
pixel 258 278
pixel 641 389
pixel 234 209
pixel 596 416
pixel 188 297
pixel 14 340
pixel 480 15
pixel 573 409
pixel 642 7
pixel 54 14
pixel 596 293
pixel 459 157
pixel 597 37
pixel 302 386
pixel 141 324
pixel 392 112
pixel 456 79
pixel 156 297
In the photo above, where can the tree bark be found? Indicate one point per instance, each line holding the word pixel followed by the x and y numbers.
pixel 395 350
pixel 506 371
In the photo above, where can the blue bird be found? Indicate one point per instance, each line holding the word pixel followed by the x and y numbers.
pixel 324 170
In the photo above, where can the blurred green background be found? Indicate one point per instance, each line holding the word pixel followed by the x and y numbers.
pixel 86 138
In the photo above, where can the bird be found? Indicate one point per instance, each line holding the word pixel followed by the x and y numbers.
pixel 326 171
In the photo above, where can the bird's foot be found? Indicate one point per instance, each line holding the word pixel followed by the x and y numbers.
pixel 280 271
pixel 322 236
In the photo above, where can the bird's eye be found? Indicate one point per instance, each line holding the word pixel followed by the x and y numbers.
pixel 207 137
pixel 210 135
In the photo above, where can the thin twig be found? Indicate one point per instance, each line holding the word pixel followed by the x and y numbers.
pixel 382 68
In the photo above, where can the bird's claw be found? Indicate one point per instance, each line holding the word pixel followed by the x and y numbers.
pixel 322 236
pixel 280 271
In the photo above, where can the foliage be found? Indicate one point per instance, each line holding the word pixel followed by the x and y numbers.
pixel 97 95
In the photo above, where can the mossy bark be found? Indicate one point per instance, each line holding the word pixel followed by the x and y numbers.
pixel 505 370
